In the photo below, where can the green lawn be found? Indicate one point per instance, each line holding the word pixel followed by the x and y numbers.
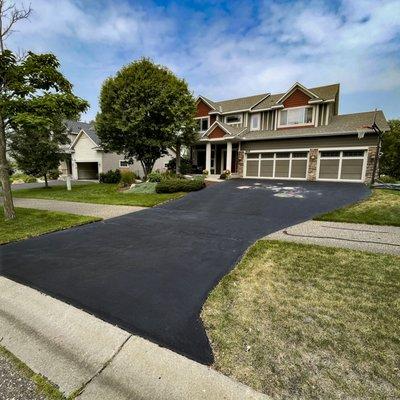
pixel 99 193
pixel 30 222
pixel 381 208
pixel 302 321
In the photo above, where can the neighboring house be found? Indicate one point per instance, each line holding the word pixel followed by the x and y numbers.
pixel 87 158
pixel 292 135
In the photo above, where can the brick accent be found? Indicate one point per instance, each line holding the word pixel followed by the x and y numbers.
pixel 216 133
pixel 312 165
pixel 240 163
pixel 296 99
pixel 202 109
pixel 370 164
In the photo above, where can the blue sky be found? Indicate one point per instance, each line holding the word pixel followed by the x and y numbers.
pixel 227 49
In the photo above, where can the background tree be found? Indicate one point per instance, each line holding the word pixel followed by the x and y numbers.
pixel 143 110
pixel 37 149
pixel 390 160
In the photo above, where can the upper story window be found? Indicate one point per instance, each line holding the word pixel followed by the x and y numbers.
pixel 296 116
pixel 255 121
pixel 204 123
pixel 233 119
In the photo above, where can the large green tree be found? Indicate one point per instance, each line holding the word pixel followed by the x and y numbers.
pixel 390 159
pixel 34 98
pixel 144 110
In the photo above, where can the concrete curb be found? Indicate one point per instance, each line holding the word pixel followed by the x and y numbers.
pixel 83 354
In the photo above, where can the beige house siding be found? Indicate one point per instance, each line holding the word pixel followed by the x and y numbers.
pixel 84 151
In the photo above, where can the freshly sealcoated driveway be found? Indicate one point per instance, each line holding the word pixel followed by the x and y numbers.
pixel 150 272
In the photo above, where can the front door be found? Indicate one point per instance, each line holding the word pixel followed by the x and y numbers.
pixel 234 160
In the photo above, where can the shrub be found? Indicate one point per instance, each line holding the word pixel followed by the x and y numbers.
pixel 225 174
pixel 387 179
pixel 30 179
pixel 54 174
pixel 154 176
pixel 205 172
pixel 110 176
pixel 179 185
pixel 186 166
pixel 127 178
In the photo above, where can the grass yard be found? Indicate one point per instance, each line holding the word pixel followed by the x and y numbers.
pixel 99 193
pixel 30 222
pixel 381 208
pixel 303 321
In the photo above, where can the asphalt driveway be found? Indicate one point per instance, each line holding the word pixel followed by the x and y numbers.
pixel 150 272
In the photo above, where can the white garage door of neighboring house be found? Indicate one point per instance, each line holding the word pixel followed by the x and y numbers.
pixel 278 165
pixel 88 170
pixel 342 165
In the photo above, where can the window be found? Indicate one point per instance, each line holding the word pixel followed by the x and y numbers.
pixel 330 154
pixel 124 163
pixel 233 119
pixel 282 155
pixel 296 116
pixel 353 153
pixel 203 124
pixel 300 154
pixel 255 122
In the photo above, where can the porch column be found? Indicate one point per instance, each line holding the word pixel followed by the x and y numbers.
pixel 208 157
pixel 229 156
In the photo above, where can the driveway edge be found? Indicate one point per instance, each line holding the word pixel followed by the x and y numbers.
pixel 89 358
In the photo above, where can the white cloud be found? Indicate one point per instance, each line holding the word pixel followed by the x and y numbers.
pixel 224 53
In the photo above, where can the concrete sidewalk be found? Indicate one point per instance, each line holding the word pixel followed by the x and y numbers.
pixel 104 211
pixel 85 355
pixel 373 238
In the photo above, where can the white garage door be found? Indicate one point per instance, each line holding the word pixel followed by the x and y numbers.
pixel 341 165
pixel 279 165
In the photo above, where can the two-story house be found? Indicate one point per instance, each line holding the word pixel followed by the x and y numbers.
pixel 294 135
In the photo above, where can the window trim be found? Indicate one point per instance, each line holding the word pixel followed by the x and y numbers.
pixel 240 115
pixel 201 118
pixel 296 125
pixel 257 128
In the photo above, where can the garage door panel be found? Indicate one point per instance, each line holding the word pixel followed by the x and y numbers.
pixel 267 168
pixel 352 169
pixel 252 168
pixel 282 169
pixel 329 169
pixel 299 169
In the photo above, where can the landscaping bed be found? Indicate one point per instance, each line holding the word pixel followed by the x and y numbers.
pixel 30 222
pixel 303 321
pixel 381 208
pixel 99 193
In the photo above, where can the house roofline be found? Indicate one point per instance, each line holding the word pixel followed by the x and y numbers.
pixel 71 147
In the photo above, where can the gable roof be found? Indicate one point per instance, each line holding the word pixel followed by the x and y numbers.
pixel 324 93
pixel 231 131
pixel 91 133
pixel 267 100
pixel 339 125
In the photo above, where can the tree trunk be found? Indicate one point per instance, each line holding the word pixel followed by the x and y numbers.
pixel 46 183
pixel 147 167
pixel 178 158
pixel 9 211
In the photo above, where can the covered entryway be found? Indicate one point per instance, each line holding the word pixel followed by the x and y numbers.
pixel 342 165
pixel 277 165
pixel 88 170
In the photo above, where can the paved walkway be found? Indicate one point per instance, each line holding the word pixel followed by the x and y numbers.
pixel 104 211
pixel 374 238
pixel 77 351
